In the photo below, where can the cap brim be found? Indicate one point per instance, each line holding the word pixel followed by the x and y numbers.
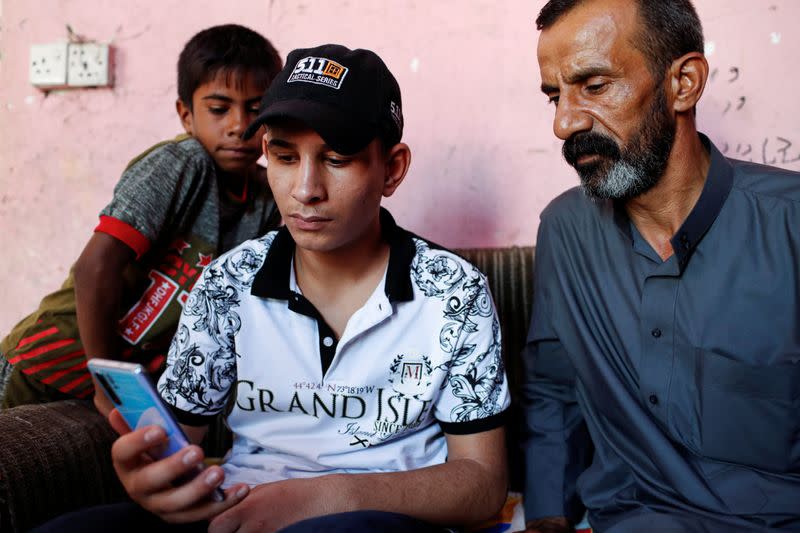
pixel 343 132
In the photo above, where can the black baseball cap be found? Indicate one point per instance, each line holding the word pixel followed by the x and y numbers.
pixel 348 97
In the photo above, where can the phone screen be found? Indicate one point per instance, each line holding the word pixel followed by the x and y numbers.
pixel 129 388
pixel 139 404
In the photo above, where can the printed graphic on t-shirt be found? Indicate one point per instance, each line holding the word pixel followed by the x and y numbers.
pixel 440 276
pixel 170 281
pixel 410 376
pixel 212 312
pixel 369 413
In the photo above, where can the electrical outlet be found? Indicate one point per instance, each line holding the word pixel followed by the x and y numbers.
pixel 89 65
pixel 48 66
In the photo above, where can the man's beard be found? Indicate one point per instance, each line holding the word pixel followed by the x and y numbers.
pixel 621 173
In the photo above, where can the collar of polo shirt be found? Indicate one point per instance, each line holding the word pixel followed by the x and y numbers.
pixel 272 280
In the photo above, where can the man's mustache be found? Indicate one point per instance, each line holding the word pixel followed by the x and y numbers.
pixel 589 143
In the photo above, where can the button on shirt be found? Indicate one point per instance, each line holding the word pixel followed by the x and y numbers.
pixel 670 385
pixel 421 358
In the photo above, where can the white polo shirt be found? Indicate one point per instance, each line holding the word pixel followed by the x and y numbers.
pixel 422 357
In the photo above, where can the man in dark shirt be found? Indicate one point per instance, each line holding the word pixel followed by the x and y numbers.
pixel 663 361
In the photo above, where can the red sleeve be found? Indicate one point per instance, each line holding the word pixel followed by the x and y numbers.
pixel 125 233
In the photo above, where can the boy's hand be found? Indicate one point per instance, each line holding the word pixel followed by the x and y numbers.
pixel 150 483
pixel 272 506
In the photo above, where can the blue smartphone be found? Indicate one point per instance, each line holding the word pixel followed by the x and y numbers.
pixel 129 388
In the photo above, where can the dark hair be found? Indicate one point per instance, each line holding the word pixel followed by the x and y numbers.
pixel 229 49
pixel 669 29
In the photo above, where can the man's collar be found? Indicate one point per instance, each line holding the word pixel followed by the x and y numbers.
pixel 718 184
pixel 272 279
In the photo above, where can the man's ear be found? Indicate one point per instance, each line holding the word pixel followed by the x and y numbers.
pixel 688 77
pixel 185 114
pixel 398 159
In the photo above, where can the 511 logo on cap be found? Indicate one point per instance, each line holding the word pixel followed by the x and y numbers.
pixel 319 70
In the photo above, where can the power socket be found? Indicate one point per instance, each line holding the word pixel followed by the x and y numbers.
pixel 48 65
pixel 89 65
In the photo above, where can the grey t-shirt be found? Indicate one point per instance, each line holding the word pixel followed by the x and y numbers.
pixel 167 207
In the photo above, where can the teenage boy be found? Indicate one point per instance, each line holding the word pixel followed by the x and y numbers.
pixel 360 364
pixel 177 206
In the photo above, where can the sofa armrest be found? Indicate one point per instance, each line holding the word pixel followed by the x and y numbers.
pixel 54 458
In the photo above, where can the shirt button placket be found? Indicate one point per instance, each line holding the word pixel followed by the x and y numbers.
pixel 653 398
pixel 685 242
pixel 658 299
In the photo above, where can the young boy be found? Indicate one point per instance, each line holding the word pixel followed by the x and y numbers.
pixel 177 206
pixel 359 364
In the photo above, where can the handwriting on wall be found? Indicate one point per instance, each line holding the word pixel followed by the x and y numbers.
pixel 771 151
pixel 776 149
pixel 732 76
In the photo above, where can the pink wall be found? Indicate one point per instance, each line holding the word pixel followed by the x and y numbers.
pixel 485 160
